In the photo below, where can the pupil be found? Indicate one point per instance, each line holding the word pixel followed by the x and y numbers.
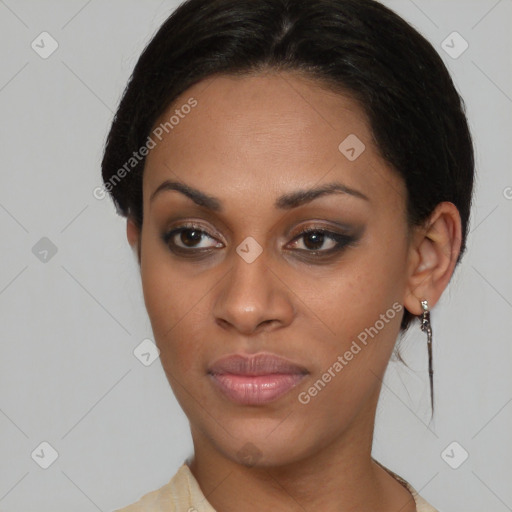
pixel 189 236
pixel 317 240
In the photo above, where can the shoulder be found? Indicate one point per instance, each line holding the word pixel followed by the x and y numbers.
pixel 164 499
pixel 421 504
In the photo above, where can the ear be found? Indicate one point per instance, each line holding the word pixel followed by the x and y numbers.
pixel 433 255
pixel 133 235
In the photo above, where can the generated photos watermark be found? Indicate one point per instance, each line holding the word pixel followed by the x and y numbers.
pixel 343 360
pixel 151 142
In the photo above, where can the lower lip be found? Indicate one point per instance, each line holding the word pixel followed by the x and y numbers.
pixel 255 389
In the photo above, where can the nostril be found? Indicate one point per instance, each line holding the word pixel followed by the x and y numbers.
pixel 265 323
pixel 223 323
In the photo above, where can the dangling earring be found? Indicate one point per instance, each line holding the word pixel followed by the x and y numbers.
pixel 426 327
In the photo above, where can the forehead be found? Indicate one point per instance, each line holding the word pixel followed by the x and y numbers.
pixel 274 131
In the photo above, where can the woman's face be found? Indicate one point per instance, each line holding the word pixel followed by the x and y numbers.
pixel 240 278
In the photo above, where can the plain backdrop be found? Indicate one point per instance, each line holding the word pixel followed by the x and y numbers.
pixel 71 306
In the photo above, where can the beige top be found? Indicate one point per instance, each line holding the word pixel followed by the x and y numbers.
pixel 183 494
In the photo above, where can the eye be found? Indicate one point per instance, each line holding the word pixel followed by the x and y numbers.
pixel 190 237
pixel 316 240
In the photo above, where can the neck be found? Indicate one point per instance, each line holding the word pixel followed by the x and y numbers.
pixel 340 476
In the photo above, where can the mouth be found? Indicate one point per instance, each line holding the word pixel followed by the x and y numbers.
pixel 255 379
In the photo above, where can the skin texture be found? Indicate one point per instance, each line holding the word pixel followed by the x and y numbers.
pixel 248 141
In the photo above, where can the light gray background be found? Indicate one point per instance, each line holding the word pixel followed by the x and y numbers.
pixel 69 326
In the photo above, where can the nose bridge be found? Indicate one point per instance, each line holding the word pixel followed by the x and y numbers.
pixel 251 295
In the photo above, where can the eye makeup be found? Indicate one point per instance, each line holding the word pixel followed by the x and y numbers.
pixel 191 239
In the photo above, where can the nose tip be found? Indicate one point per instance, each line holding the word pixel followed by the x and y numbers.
pixel 252 299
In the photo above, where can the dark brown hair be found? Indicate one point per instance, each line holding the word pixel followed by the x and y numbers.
pixel 416 114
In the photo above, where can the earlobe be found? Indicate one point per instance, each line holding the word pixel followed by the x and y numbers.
pixel 434 254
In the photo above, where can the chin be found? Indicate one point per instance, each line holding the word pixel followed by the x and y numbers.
pixel 264 443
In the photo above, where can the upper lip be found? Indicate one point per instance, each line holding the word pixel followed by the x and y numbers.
pixel 257 364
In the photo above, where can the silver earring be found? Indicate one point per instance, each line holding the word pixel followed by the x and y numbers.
pixel 427 327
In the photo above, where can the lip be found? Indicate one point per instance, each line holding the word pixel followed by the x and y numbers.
pixel 255 379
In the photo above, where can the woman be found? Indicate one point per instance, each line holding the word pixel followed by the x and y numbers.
pixel 297 179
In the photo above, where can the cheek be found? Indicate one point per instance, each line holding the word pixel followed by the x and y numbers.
pixel 363 308
pixel 166 292
pixel 363 311
pixel 173 305
pixel 362 292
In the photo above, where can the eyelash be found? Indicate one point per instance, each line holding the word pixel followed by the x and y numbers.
pixel 342 241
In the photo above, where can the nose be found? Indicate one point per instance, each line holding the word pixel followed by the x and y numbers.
pixel 253 298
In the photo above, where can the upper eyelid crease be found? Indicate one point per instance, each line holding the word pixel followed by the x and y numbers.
pixel 284 202
pixel 309 229
pixel 333 235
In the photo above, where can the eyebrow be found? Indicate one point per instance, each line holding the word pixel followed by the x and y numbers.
pixel 284 202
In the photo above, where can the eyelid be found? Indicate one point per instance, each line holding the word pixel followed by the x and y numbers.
pixel 318 225
pixel 342 238
pixel 192 224
pixel 168 236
